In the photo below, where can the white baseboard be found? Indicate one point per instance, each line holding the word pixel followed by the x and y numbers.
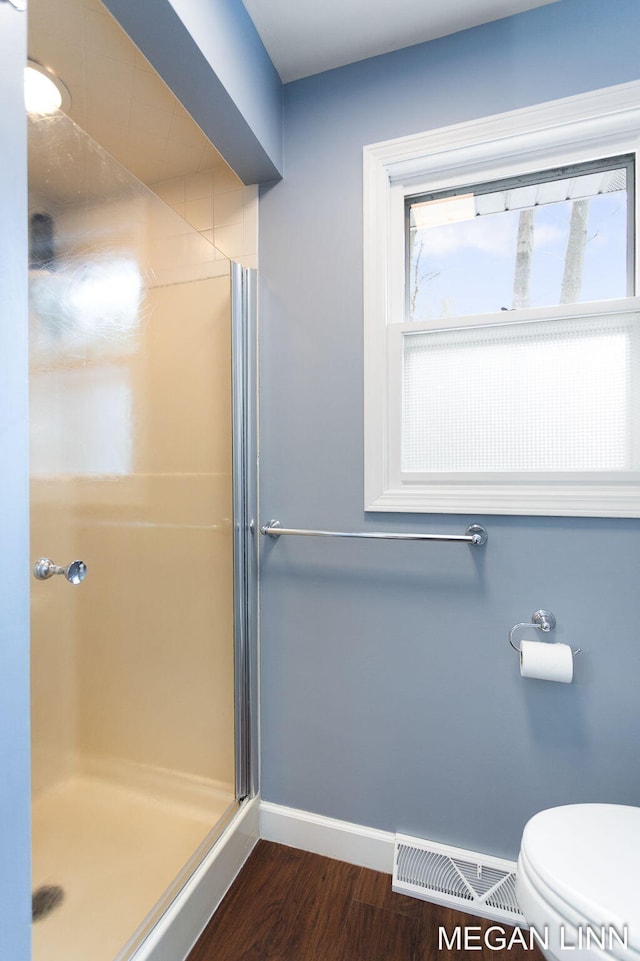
pixel 354 843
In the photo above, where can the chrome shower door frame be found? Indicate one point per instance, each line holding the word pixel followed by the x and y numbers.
pixel 245 512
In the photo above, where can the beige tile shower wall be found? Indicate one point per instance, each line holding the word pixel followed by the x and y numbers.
pixel 165 248
pixel 133 670
pixel 155 660
pixel 217 204
pixel 116 95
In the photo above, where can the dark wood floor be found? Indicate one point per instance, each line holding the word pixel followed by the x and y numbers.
pixel 288 905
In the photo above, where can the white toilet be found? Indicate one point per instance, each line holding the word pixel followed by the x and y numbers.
pixel 578 881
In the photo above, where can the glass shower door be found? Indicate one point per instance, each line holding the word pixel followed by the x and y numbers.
pixel 131 453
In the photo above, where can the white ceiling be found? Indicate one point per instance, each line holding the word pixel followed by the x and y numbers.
pixel 304 37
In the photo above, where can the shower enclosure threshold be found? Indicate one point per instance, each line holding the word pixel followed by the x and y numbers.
pixel 174 935
pixel 116 852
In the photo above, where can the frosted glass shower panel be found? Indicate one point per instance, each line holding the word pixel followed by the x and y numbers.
pixel 548 396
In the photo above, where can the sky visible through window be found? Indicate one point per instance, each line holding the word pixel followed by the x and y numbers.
pixel 468 267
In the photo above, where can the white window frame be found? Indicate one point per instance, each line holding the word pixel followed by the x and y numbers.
pixel 587 127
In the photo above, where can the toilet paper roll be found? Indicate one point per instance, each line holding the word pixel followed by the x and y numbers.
pixel 549 662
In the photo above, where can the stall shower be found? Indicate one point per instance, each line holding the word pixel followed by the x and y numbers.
pixel 139 740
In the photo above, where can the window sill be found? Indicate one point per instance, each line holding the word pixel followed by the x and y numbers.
pixel 563 500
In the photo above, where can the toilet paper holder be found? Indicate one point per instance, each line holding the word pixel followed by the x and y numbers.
pixel 543 621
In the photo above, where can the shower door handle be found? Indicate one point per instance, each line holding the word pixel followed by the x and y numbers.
pixel 75 572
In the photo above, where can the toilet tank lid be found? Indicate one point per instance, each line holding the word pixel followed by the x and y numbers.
pixel 589 855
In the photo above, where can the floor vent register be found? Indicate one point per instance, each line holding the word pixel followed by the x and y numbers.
pixel 475 883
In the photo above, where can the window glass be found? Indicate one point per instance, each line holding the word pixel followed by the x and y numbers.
pixel 561 237
pixel 555 395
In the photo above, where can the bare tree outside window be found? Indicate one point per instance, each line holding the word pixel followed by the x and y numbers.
pixel 524 256
pixel 574 259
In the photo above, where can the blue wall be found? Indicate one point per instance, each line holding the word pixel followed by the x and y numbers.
pixel 390 696
pixel 15 886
